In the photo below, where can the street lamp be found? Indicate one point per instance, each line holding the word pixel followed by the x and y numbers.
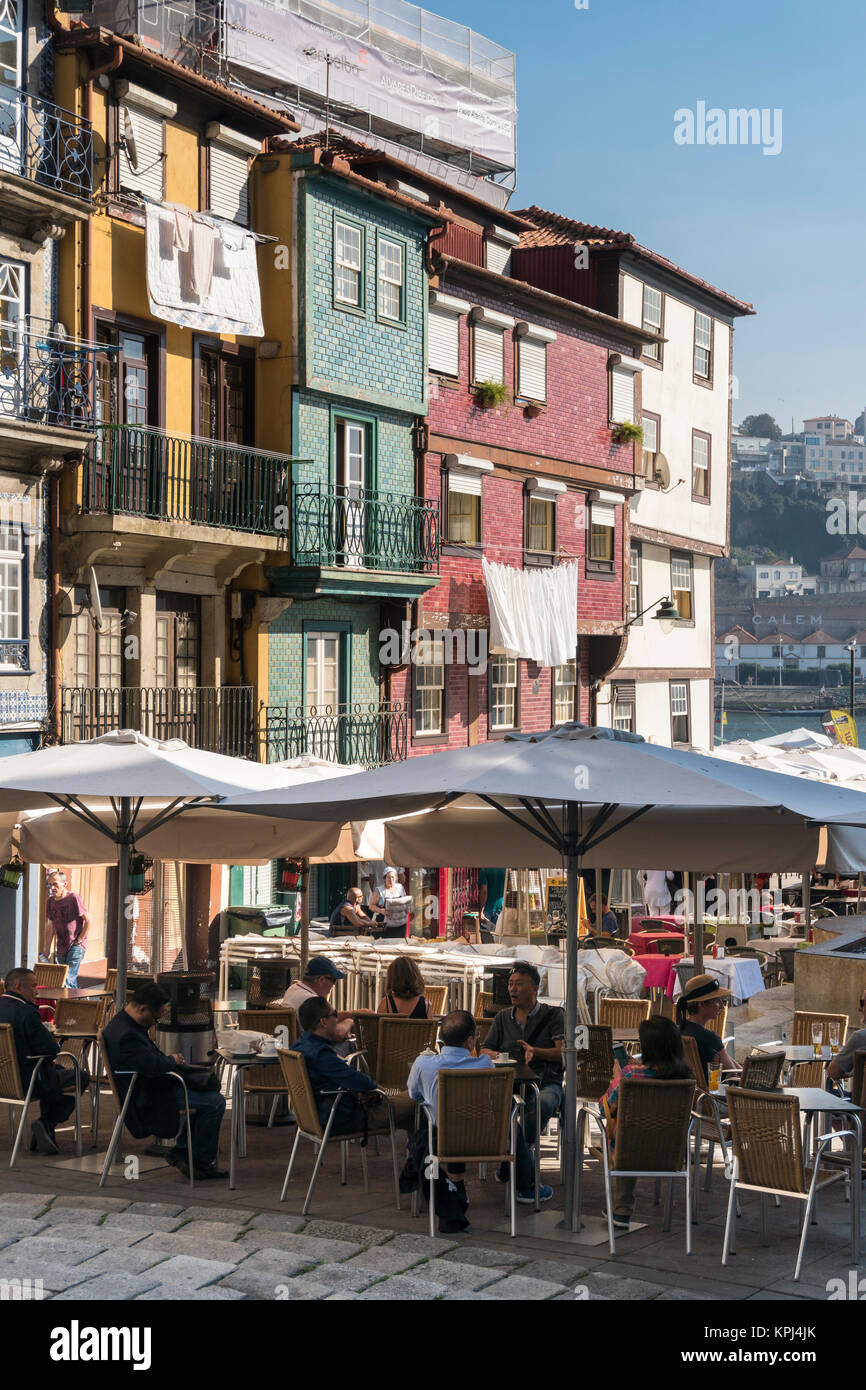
pixel 851 649
pixel 666 615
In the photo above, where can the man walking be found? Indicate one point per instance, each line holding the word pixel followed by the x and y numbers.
pixel 68 925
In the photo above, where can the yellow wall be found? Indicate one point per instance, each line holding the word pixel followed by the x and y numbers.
pixel 272 195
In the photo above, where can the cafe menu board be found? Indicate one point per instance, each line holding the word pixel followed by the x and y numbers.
pixel 556 901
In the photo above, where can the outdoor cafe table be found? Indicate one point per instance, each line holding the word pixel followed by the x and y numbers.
pixel 51 992
pixel 742 976
pixel 660 972
pixel 645 941
pixel 237 1128
pixel 814 1101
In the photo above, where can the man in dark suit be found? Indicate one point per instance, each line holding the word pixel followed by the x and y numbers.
pixel 157 1097
pixel 18 1006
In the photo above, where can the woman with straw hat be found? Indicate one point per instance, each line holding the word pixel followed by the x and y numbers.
pixel 697 1006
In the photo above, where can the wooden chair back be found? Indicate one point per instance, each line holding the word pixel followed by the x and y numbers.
pixel 765 1132
pixel 49 976
pixel 436 996
pixel 720 1022
pixel 268 1021
pixel 762 1072
pixel 482 1028
pixel 473 1114
pixel 10 1075
pixel 297 1083
pixel 623 1013
pixel 78 1016
pixel 801 1032
pixel 595 1063
pixel 693 1057
pixel 399 1042
pixel 808 1074
pixel 652 1124
pixel 109 1072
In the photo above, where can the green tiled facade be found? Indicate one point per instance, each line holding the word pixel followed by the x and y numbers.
pixel 286 650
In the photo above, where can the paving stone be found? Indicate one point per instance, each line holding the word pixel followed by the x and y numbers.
pixel 101 1204
pixel 20 1200
pixel 514 1286
pixel 403 1288
pixel 277 1264
pixel 193 1273
pixel 467 1295
pixel 493 1258
pixel 62 1250
pixel 136 1221
pixel 55 1277
pixel 16 1228
pixel 209 1230
pixel 72 1216
pixel 423 1245
pixel 115 1287
pixel 458 1277
pixel 182 1293
pixel 385 1260
pixel 271 1221
pixel 608 1286
pixel 113 1236
pixel 272 1284
pixel 179 1243
pixel 235 1215
pixel 156 1209
pixel 555 1271
pixel 128 1259
pixel 344 1230
pixel 677 1295
pixel 312 1248
pixel 336 1277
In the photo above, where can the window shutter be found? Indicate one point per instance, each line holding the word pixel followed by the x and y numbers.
pixel 498 256
pixel 489 353
pixel 467 483
pixel 532 369
pixel 229 184
pixel 603 515
pixel 148 130
pixel 444 342
pixel 622 395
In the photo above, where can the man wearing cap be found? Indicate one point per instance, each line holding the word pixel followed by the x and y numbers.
pixel 319 979
pixel 697 1006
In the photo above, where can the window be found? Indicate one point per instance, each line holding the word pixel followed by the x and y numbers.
pixel 352 452
pixel 488 353
pixel 443 340
pixel 430 687
pixel 532 361
pixel 681 586
pixel 634 581
pixel 13 280
pixel 623 706
pixel 700 466
pixel 652 320
pixel 98 656
pixel 651 433
pixel 541 525
pixel 503 692
pixel 602 529
pixel 141 117
pixel 225 397
pixel 178 641
pixel 623 374
pixel 680 721
pixel 703 347
pixel 348 264
pixel 12 595
pixel 462 482
pixel 497 255
pixel 565 692
pixel 392 287
pixel 228 169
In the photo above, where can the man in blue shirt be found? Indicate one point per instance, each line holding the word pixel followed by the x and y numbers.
pixel 328 1072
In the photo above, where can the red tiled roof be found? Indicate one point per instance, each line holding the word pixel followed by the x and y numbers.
pixel 740 633
pixel 552 229
pixel 820 638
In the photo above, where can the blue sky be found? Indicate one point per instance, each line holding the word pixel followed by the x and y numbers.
pixel 598 89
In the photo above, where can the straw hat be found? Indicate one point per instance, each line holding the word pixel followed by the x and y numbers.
pixel 702 988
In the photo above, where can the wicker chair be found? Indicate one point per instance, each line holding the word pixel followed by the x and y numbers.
pixel 693 1057
pixel 653 1129
pixel 623 1013
pixel 684 973
pixel 13 1094
pixel 121 1103
pixel 787 956
pixel 807 1074
pixel 399 1042
pixel 858 1078
pixel 768 1158
pixel 762 1071
pixel 297 1083
pixel 476 1122
pixel 482 1028
pixel 50 976
pixel 366 1030
pixel 436 996
pixel 484 1003
pixel 595 1068
pixel 801 1032
pixel 267 1080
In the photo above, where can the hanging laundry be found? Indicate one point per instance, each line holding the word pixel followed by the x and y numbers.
pixel 213 286
pixel 533 613
pixel 182 229
pixel 201 257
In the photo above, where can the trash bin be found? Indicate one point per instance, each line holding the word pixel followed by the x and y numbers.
pixel 188 1024
pixel 261 921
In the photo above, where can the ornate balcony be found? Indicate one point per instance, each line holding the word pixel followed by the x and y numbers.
pixel 46 165
pixel 217 719
pixel 46 378
pixel 367 735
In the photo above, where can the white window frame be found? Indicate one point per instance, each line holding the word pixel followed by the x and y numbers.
pixel 635 580
pixel 565 704
pixel 651 323
pixel 698 467
pixel 703 351
pixel 680 709
pixel 428 714
pixel 503 712
pixel 12 556
pixel 344 264
pixel 386 282
pixel 678 564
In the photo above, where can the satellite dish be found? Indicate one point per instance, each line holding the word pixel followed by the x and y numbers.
pixel 127 138
pixel 661 471
pixel 95 603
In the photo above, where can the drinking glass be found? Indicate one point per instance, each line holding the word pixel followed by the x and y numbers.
pixel 817 1038
pixel 833 1031
pixel 715 1076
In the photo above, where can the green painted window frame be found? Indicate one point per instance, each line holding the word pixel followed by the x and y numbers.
pixel 371 423
pixel 400 241
pixel 361 307
pixel 345 631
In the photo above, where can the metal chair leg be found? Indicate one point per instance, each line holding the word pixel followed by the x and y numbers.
pixel 669 1204
pixel 728 1246
pixel 364 1168
pixel 274 1103
pixel 24 1110
pixel 344 1163
pixel 291 1165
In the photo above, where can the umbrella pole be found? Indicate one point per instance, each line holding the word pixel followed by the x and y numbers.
pixel 305 917
pixel 859 892
pixel 572 1216
pixel 122 895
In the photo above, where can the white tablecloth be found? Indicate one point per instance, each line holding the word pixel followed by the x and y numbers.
pixel 742 977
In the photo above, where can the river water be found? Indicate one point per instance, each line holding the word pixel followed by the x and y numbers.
pixel 750 724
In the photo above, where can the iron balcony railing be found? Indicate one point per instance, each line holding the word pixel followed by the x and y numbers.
pixel 42 142
pixel 366 735
pixel 46 377
pixel 362 528
pixel 217 719
pixel 136 470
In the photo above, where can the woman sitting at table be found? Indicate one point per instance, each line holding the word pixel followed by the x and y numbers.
pixel 404 990
pixel 662 1059
pixel 697 1006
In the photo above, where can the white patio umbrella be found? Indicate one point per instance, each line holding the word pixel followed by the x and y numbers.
pixel 126 790
pixel 581 797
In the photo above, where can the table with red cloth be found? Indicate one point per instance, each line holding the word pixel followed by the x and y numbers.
pixel 647 941
pixel 659 972
pixel 670 919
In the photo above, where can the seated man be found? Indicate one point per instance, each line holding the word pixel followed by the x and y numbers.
pixel 531 1033
pixel 351 915
pixel 157 1097
pixel 609 924
pixel 18 1006
pixel 843 1062
pixel 697 1006
pixel 319 979
pixel 322 1030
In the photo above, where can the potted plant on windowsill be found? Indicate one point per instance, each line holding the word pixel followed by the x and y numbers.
pixel 532 410
pixel 490 393
pixel 627 433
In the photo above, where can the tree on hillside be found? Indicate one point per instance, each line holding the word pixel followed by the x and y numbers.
pixel 761 427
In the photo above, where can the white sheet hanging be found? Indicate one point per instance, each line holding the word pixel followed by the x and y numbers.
pixel 222 296
pixel 533 613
